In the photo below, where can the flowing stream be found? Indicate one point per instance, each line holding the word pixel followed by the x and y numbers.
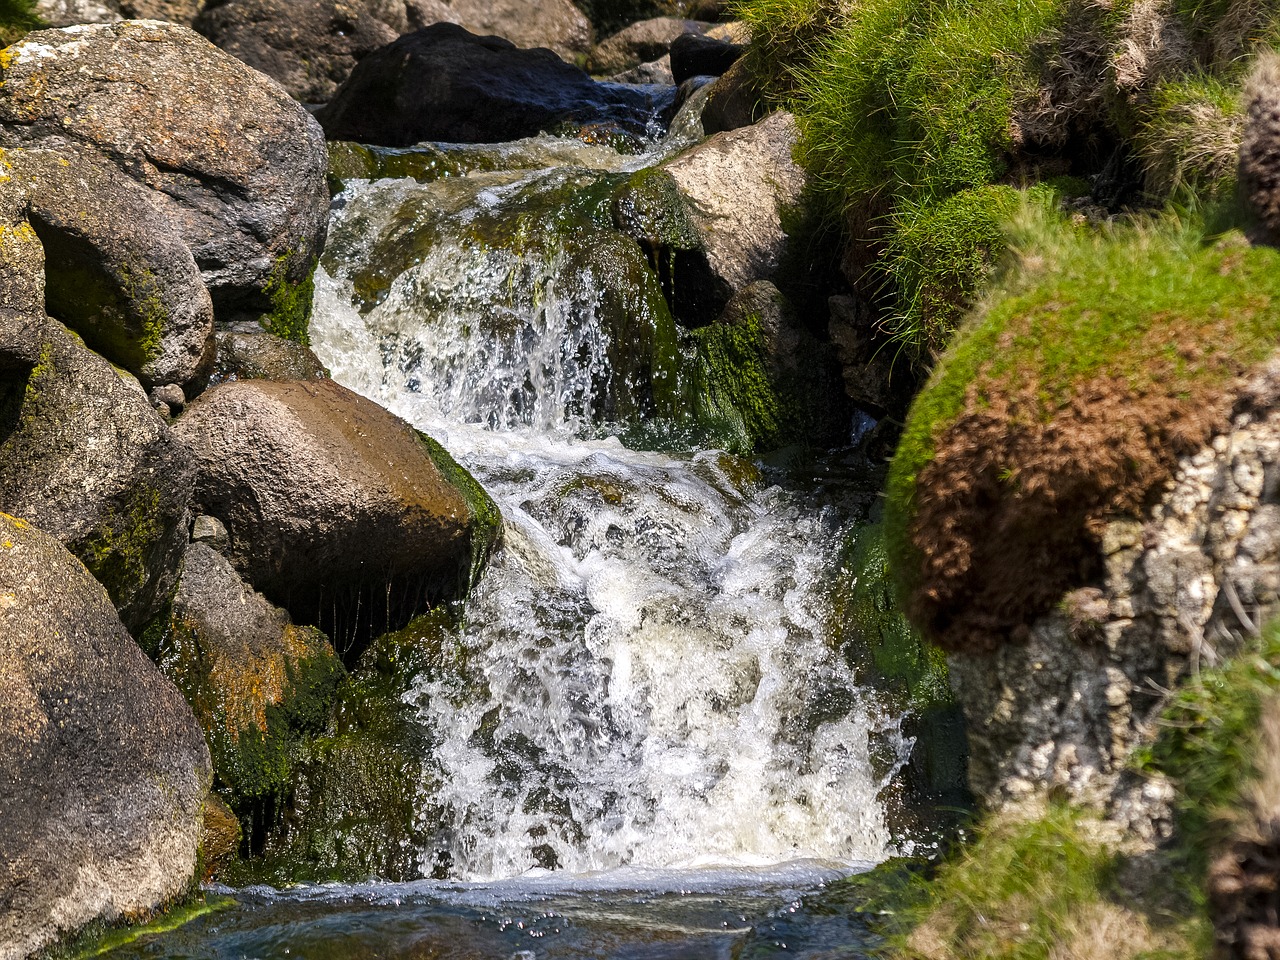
pixel 665 750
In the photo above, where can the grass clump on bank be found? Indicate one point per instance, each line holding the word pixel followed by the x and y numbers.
pixel 1106 354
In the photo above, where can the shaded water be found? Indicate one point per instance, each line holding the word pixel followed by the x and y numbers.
pixel 660 748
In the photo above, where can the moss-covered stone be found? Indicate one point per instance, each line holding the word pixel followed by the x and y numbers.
pixel 486 518
pixel 291 300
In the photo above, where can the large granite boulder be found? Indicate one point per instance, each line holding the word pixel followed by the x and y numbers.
pixel 443 83
pixel 103 770
pixel 309 46
pixel 115 270
pixel 739 185
pixel 64 13
pixel 85 457
pixel 236 165
pixel 335 509
pixel 555 24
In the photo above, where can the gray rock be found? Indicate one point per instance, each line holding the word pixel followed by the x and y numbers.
pixel 334 508
pixel 656 72
pixel 640 43
pixel 557 25
pixel 734 101
pixel 261 356
pixel 22 316
pixel 85 457
pixel 445 84
pixel 64 13
pixel 308 46
pixel 210 530
pixel 739 184
pixel 103 770
pixel 237 166
pixel 115 270
pixel 171 396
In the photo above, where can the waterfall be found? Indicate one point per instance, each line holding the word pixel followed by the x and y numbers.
pixel 655 683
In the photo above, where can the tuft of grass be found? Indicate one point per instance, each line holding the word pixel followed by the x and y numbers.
pixel 1189 140
pixel 786 35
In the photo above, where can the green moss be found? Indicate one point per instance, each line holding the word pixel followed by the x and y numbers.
pixel 1123 301
pixel 119 551
pixel 486 518
pixel 291 301
pixel 732 391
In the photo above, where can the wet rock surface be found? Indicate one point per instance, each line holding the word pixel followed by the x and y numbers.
pixel 262 356
pixel 85 457
pixel 240 177
pixel 103 770
pixel 334 508
pixel 443 83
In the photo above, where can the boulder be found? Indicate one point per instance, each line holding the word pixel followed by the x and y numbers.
pixel 309 46
pixel 335 509
pixel 116 272
pixel 261 356
pixel 445 84
pixel 237 166
pixel 555 24
pixel 693 55
pixel 655 72
pixel 103 770
pixel 1260 147
pixel 259 685
pixel 640 43
pixel 739 184
pixel 85 457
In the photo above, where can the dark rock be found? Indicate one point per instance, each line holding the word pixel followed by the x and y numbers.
pixel 220 839
pixel 84 456
pixel 237 166
pixel 557 25
pixel 867 369
pixel 116 272
pixel 210 530
pixel 309 46
pixel 261 356
pixel 335 509
pixel 641 43
pixel 445 84
pixel 103 770
pixel 693 55
pixel 734 101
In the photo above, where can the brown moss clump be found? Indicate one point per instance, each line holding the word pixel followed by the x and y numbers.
pixel 1066 402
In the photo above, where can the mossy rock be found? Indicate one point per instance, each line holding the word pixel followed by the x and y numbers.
pixel 1109 354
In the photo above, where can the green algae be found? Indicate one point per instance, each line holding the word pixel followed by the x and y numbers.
pixel 120 550
pixel 486 519
pixel 291 301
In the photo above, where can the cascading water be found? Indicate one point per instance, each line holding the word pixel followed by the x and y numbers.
pixel 659 684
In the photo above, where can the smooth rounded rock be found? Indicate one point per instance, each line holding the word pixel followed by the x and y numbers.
pixel 103 770
pixel 557 25
pixel 334 508
pixel 693 55
pixel 642 42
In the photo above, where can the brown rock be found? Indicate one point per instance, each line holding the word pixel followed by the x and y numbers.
pixel 641 42
pixel 555 24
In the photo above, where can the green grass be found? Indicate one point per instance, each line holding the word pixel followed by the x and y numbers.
pixel 1189 139
pixel 1080 302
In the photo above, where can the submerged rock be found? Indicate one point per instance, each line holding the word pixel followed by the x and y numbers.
pixel 740 185
pixel 103 770
pixel 443 83
pixel 335 509
pixel 85 457
pixel 235 165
